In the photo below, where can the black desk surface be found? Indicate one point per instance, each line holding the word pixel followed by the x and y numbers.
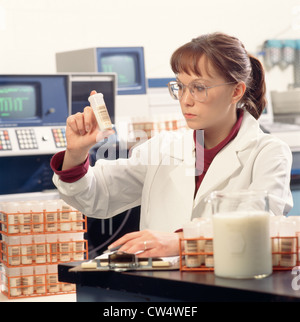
pixel 188 286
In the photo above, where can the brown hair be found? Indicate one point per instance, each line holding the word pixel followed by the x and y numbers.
pixel 230 59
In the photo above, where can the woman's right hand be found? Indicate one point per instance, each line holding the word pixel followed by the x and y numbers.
pixel 82 133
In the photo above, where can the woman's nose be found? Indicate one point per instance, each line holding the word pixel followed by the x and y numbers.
pixel 187 98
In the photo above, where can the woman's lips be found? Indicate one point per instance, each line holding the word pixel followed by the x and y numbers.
pixel 189 116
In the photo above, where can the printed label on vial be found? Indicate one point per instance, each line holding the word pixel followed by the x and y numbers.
pixel 103 117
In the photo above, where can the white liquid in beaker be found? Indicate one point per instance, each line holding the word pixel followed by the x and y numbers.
pixel 242 244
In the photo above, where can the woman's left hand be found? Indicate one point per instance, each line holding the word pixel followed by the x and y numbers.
pixel 148 243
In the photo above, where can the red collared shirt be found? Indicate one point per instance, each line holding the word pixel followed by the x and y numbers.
pixel 204 157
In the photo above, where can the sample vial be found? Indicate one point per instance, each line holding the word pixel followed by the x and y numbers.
pixel 52 248
pixel 25 218
pixel 100 110
pixel 52 210
pixel 11 218
pixel 37 216
pixel 65 218
pixel 40 279
pixel 40 248
pixel 67 287
pixel 77 246
pixel 77 220
pixel 27 280
pixel 52 279
pixel 13 249
pixel 65 247
pixel 207 228
pixel 3 217
pixel 287 242
pixel 191 231
pixel 26 249
pixel 12 281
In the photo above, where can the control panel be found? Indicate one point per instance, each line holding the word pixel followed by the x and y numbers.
pixel 59 135
pixel 5 143
pixel 26 139
pixel 32 140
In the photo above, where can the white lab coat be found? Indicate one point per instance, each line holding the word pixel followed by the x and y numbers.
pixel 159 176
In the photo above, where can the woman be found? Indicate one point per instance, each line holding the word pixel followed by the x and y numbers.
pixel 221 91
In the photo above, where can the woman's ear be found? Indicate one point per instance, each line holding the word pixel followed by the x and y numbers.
pixel 238 92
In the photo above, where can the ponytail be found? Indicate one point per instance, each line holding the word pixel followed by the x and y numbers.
pixel 254 100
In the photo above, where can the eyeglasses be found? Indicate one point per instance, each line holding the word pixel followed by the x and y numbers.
pixel 197 90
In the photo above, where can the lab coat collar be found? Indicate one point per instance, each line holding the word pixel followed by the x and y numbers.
pixel 249 128
pixel 225 163
pixel 248 133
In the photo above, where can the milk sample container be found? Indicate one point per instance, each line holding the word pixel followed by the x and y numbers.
pixel 241 228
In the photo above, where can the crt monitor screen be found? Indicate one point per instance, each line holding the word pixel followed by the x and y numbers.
pixel 19 101
pixel 128 64
pixel 81 90
pixel 124 65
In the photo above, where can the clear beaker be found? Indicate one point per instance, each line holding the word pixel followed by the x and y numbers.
pixel 242 244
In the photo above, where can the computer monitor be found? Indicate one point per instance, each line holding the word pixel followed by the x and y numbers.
pixel 127 62
pixel 20 101
pixel 33 113
pixel 82 84
pixel 33 100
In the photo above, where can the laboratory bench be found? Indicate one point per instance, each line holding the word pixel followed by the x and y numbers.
pixel 178 286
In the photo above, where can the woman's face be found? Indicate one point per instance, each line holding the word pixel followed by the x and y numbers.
pixel 218 108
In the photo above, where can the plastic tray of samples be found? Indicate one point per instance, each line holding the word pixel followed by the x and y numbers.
pixel 196 254
pixel 150 126
pixel 44 217
pixel 37 235
pixel 42 249
pixel 22 282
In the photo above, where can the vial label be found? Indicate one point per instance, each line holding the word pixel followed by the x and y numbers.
pixel 78 250
pixel 12 223
pixel 208 248
pixel 27 283
pixel 40 253
pixel 65 216
pixel 25 221
pixel 192 246
pixel 209 261
pixel 40 284
pixel 52 250
pixel 65 251
pixel 275 248
pixel 103 118
pixel 37 222
pixel 15 286
pixel 288 245
pixel 67 287
pixel 52 283
pixel 14 255
pixel 51 219
pixel 26 254
pixel 77 221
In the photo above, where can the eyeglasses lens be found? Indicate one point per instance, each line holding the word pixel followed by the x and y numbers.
pixel 177 90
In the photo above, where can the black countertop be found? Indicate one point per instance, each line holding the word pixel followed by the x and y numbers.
pixel 188 286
